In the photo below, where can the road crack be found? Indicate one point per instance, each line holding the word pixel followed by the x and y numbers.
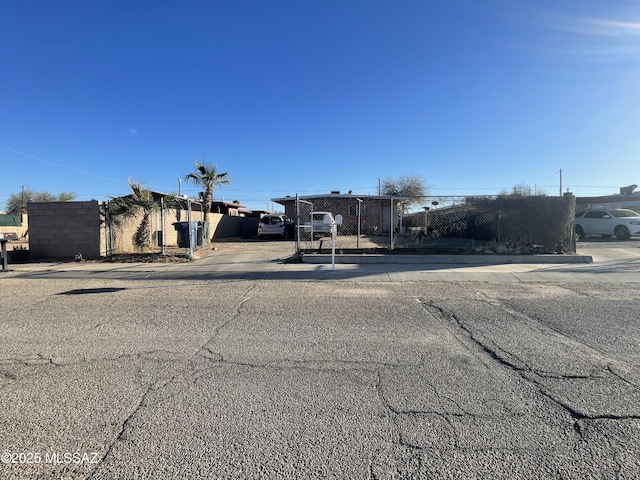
pixel 152 388
pixel 533 376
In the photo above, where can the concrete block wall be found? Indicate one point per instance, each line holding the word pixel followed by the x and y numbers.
pixel 60 230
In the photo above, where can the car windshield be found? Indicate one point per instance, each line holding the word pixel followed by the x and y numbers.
pixel 624 213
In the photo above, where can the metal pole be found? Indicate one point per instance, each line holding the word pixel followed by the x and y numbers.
pixel 333 243
pixel 499 219
pixel 162 223
pixel 392 221
pixel 560 182
pixel 4 254
pixel 298 201
pixel 297 224
pixel 189 225
pixel 426 220
pixel 108 230
pixel 359 218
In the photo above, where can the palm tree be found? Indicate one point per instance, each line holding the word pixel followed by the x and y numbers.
pixel 206 176
pixel 141 198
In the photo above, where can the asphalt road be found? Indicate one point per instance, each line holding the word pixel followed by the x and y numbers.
pixel 106 376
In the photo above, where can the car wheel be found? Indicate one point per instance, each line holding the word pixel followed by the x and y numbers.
pixel 622 232
pixel 579 231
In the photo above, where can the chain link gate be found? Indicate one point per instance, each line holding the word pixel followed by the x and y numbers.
pixel 369 222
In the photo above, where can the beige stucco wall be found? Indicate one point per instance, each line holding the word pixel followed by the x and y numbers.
pixel 123 229
pixel 21 231
pixel 220 226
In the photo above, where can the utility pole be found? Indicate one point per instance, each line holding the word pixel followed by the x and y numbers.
pixel 24 209
pixel 560 182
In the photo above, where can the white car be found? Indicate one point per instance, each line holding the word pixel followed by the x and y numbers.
pixel 275 225
pixel 619 222
pixel 318 225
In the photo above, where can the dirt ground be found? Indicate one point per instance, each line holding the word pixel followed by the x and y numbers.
pixel 178 255
pixel 175 254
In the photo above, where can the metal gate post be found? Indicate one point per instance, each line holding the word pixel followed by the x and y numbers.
pixel 297 224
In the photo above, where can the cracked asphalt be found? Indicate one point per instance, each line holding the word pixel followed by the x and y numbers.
pixel 319 379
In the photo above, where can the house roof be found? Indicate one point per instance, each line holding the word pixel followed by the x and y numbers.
pixel 338 196
pixel 154 194
pixel 194 201
pixel 228 204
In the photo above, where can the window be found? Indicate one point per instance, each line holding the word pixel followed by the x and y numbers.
pixel 624 213
pixel 596 214
pixel 353 210
pixel 271 220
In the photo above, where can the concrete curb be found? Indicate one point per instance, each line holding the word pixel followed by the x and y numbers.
pixel 446 259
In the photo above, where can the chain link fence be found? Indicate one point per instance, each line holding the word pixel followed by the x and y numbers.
pixel 368 223
pixel 442 224
pixel 178 225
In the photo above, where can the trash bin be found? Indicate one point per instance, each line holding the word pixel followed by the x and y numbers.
pixel 183 233
pixel 199 239
pixel 194 234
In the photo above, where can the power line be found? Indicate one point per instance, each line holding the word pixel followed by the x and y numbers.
pixel 59 165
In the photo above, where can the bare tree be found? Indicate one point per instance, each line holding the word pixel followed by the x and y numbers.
pixel 17 202
pixel 522 189
pixel 411 186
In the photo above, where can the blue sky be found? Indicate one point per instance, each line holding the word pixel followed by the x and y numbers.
pixel 311 96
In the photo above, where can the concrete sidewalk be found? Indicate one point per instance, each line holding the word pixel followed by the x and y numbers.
pixel 446 259
pixel 273 266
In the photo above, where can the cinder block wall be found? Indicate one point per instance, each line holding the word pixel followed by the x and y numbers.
pixel 63 229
